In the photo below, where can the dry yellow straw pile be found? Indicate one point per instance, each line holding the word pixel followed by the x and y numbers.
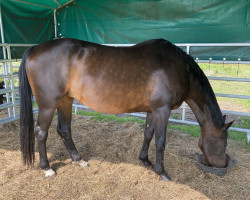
pixel 115 172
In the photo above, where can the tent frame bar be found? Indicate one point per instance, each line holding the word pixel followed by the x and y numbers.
pixel 33 4
pixel 1 23
pixel 5 66
pixel 55 12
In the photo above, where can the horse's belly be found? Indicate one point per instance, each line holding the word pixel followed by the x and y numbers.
pixel 114 106
pixel 111 101
pixel 104 108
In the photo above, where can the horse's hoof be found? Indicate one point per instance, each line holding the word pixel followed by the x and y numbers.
pixel 165 177
pixel 49 173
pixel 83 163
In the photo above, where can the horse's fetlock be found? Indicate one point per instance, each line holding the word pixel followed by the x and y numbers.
pixel 76 157
pixel 159 169
pixel 143 157
pixel 44 165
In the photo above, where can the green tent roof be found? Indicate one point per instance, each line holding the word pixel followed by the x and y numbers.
pixel 26 21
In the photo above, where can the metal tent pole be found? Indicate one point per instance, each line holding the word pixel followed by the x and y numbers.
pixel 5 69
pixel 1 30
pixel 55 20
pixel 55 24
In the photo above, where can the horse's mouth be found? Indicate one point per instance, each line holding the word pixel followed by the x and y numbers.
pixel 206 163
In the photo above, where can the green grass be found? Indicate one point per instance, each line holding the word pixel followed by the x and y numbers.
pixel 244 122
pixel 226 70
pixel 176 115
pixel 239 137
pixel 96 116
pixel 188 129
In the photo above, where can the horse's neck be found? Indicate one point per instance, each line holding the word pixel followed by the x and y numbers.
pixel 199 105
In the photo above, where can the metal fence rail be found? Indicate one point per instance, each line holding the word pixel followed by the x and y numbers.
pixel 11 90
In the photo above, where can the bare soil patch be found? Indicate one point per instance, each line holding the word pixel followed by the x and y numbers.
pixel 115 172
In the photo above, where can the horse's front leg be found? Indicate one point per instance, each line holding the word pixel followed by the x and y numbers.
pixel 160 120
pixel 148 135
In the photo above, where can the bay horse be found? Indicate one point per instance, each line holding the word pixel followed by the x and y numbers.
pixel 154 76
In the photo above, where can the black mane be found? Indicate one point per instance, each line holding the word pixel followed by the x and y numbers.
pixel 201 80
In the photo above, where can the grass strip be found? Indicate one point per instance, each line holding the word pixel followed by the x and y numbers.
pixel 188 129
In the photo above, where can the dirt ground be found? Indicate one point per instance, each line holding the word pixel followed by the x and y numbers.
pixel 115 172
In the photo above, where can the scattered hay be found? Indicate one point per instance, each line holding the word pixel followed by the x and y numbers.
pixel 115 172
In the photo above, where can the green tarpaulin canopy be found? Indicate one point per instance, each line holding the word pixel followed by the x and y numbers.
pixel 132 21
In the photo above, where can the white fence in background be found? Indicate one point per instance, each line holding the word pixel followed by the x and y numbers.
pixel 11 87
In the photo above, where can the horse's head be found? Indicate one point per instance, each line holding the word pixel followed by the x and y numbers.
pixel 213 143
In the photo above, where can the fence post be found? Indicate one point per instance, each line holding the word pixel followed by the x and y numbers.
pixel 12 82
pixel 248 137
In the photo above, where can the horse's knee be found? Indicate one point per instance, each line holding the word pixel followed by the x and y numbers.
pixel 160 146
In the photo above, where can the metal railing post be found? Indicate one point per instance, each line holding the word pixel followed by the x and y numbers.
pixel 5 69
pixel 6 80
pixel 183 115
pixel 248 137
pixel 12 82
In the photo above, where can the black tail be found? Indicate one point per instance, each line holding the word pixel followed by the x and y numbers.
pixel 27 136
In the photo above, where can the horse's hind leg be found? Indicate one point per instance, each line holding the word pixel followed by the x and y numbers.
pixel 148 135
pixel 45 116
pixel 64 128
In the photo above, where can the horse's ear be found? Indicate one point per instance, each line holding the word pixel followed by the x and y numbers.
pixel 226 126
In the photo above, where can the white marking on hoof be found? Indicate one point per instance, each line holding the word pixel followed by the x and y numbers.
pixel 83 163
pixel 49 173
